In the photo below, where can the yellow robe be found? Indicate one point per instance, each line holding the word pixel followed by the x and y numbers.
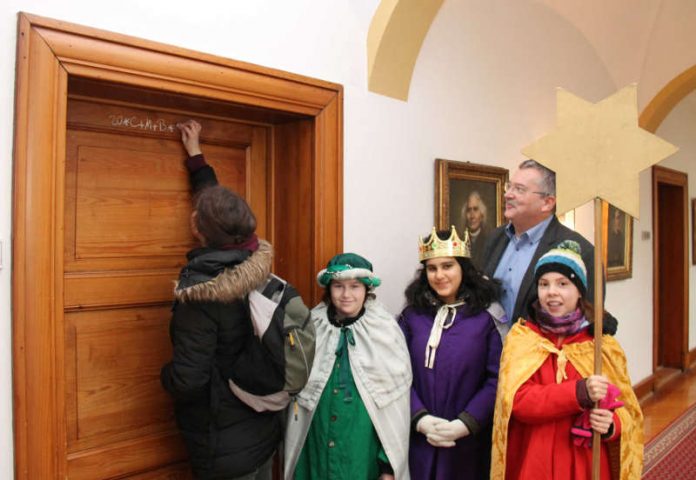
pixel 525 351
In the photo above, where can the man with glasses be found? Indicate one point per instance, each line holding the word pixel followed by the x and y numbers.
pixel 512 250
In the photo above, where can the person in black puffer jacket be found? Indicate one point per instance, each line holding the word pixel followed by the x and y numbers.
pixel 210 329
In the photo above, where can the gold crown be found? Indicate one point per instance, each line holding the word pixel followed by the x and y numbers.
pixel 452 247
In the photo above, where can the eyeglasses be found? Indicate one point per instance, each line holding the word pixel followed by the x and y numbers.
pixel 519 189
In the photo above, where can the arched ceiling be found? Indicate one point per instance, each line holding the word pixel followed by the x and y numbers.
pixel 394 40
pixel 622 34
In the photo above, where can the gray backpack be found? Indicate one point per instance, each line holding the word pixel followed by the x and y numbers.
pixel 285 336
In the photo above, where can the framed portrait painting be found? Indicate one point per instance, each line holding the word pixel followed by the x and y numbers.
pixel 618 242
pixel 470 197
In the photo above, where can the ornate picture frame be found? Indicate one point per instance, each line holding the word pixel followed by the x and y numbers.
pixel 462 186
pixel 617 242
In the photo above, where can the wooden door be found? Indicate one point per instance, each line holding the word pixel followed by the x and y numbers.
pixel 671 279
pixel 127 208
pixel 90 306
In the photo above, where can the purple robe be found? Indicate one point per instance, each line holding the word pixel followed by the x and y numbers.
pixel 464 379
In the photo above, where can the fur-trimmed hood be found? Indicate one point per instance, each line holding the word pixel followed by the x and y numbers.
pixel 224 276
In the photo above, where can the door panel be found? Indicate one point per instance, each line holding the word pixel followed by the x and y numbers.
pixel 127 231
pixel 127 193
pixel 102 289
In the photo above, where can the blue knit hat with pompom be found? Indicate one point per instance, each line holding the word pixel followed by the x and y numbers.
pixel 565 258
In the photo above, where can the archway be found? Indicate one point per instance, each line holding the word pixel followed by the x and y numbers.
pixel 396 34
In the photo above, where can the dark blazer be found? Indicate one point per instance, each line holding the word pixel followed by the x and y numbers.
pixel 554 234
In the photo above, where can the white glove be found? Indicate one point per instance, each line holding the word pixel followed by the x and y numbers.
pixel 427 424
pixel 445 434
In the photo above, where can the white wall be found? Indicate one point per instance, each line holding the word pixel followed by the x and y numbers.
pixel 483 87
pixel 630 300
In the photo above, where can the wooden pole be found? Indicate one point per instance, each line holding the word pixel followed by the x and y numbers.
pixel 598 317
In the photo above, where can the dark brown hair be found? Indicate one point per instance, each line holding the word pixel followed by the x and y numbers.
pixel 326 296
pixel 223 217
pixel 587 309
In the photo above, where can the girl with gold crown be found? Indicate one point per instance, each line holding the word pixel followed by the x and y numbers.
pixel 453 327
pixel 545 413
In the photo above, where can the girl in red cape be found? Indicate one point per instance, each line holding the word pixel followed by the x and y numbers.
pixel 546 390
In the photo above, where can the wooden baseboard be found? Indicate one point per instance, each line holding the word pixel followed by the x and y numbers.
pixel 645 388
pixel 691 359
pixel 662 379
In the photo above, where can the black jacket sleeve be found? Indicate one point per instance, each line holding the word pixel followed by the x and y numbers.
pixel 201 174
pixel 194 337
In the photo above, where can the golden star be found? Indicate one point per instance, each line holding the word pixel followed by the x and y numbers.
pixel 597 150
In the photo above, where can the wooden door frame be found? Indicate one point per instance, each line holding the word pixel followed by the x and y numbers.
pixel 667 176
pixel 48 52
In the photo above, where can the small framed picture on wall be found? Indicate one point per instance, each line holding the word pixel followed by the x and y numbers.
pixel 618 242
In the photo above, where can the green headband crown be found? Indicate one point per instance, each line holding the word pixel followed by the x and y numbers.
pixel 348 266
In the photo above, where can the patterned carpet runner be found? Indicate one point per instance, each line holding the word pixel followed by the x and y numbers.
pixel 671 455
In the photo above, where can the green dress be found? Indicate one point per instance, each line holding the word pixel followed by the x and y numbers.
pixel 342 443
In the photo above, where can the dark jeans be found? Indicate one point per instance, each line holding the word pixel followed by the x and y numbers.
pixel 264 472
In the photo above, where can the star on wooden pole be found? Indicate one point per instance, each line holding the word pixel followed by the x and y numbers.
pixel 597 150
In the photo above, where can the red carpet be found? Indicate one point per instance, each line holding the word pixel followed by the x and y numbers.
pixel 671 455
